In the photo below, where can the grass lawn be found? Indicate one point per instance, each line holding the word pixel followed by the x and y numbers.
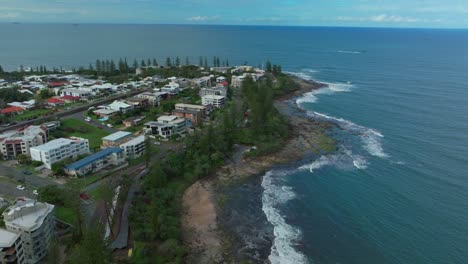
pixel 32 113
pixel 65 214
pixel 93 134
pixel 85 181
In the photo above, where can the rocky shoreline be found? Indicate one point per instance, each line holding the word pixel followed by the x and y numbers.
pixel 204 226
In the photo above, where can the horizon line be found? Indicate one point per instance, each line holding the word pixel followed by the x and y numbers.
pixel 234 25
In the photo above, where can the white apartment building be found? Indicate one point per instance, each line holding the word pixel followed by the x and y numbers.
pixel 15 142
pixel 180 124
pixel 134 148
pixel 59 149
pixel 153 98
pixel 11 248
pixel 82 93
pixel 236 81
pixel 217 101
pixel 34 222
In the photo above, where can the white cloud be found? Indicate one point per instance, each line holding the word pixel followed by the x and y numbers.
pixel 383 18
pixel 203 18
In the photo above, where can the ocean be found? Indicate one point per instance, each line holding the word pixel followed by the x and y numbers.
pixel 395 191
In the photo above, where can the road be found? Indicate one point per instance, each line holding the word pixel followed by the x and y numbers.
pixel 17 174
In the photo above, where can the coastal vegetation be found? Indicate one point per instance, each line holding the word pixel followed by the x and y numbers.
pixel 250 118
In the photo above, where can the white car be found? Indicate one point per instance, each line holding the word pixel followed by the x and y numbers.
pixel 88 119
pixel 20 187
pixel 109 125
pixel 35 192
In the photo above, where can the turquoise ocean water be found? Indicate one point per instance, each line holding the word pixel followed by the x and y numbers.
pixel 396 191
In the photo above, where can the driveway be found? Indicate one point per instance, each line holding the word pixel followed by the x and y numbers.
pixel 80 116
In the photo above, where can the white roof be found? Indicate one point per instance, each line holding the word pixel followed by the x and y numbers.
pixel 105 111
pixel 116 105
pixel 201 107
pixel 57 143
pixel 135 141
pixel 27 214
pixel 7 238
pixel 167 118
pixel 215 97
pixel 117 136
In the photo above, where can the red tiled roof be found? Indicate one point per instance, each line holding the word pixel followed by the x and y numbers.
pixel 224 83
pixel 69 97
pixel 11 109
pixel 54 101
pixel 57 84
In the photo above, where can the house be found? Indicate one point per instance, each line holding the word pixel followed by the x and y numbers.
pixel 194 116
pixel 12 110
pixel 34 222
pixel 105 112
pixel 96 162
pixel 54 102
pixel 115 139
pixel 59 149
pixel 25 105
pixel 70 99
pixel 220 69
pixel 137 102
pixel 217 101
pixel 153 98
pixel 134 148
pixel 81 93
pixel 171 88
pixel 202 81
pixel 220 79
pixel 11 247
pixel 120 106
pixel 133 121
pixel 15 142
pixel 52 125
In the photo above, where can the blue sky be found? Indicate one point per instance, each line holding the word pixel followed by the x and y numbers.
pixel 373 13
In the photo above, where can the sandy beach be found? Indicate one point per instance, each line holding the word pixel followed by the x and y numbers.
pixel 207 243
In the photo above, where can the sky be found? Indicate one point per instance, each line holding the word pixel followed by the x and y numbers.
pixel 361 13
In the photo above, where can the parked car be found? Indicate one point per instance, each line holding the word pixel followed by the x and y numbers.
pixel 110 125
pixel 20 187
pixel 35 192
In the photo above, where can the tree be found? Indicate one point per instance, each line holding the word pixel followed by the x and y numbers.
pixel 147 152
pixel 148 62
pixel 187 61
pixel 177 62
pixel 1 69
pixel 90 67
pixel 112 67
pixel 135 64
pixel 168 62
pixel 218 62
pixel 227 63
pixel 268 66
pixel 92 249
pixel 23 159
pixel 98 66
pixel 45 94
pixel 206 62
pixel 57 168
pixel 155 62
pixel 143 63
pixel 200 61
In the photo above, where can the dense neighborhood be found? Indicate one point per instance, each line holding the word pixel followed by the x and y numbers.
pixel 74 129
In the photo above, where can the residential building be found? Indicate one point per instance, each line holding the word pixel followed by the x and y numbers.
pixel 81 93
pixel 153 98
pixel 12 110
pixel 59 149
pixel 180 125
pixel 54 102
pixel 115 139
pixel 171 88
pixel 15 142
pixel 220 69
pixel 11 248
pixel 34 222
pixel 137 102
pixel 220 79
pixel 204 110
pixel 120 106
pixel 52 125
pixel 202 81
pixel 133 121
pixel 105 112
pixel 236 81
pixel 194 116
pixel 217 101
pixel 134 148
pixel 213 91
pixel 25 105
pixel 70 99
pixel 159 129
pixel 96 162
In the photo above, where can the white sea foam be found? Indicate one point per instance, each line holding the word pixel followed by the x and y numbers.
pixel 286 236
pixel 311 97
pixel 360 162
pixel 344 159
pixel 349 51
pixel 371 138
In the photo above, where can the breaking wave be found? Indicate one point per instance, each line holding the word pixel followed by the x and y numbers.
pixel 343 159
pixel 331 88
pixel 349 51
pixel 371 138
pixel 286 236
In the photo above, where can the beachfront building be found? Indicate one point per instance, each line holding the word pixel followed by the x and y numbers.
pixel 11 248
pixel 103 159
pixel 120 106
pixel 134 148
pixel 59 149
pixel 115 139
pixel 34 222
pixel 236 81
pixel 217 101
pixel 13 143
